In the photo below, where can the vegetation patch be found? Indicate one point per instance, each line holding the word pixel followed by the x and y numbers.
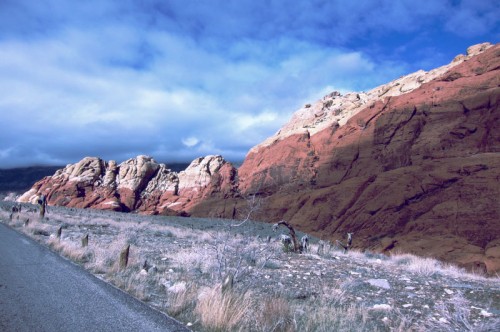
pixel 222 275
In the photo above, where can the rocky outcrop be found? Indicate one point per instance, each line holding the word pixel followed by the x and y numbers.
pixel 139 184
pixel 335 109
pixel 133 177
pixel 199 173
pixel 410 166
pixel 209 177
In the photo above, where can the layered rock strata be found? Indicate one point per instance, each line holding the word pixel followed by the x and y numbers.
pixel 411 166
pixel 139 184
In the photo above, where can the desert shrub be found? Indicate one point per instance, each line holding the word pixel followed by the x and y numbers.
pixel 458 272
pixel 200 260
pixel 420 265
pixel 132 282
pixel 374 255
pixel 272 265
pixel 402 259
pixel 357 255
pixel 287 247
pixel 37 228
pixel 103 261
pixel 163 233
pixel 250 254
pixel 106 257
pixel 428 267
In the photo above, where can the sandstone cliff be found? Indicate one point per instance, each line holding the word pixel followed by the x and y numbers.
pixel 139 184
pixel 413 165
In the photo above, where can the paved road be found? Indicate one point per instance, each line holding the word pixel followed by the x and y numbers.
pixel 40 291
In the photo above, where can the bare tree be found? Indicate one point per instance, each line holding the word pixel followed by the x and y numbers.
pixel 296 245
pixel 348 244
pixel 254 204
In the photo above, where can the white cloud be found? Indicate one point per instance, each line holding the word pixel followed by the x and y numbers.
pixel 6 153
pixel 244 122
pixel 186 91
pixel 190 141
pixel 177 79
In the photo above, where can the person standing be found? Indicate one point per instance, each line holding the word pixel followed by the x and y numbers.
pixel 42 202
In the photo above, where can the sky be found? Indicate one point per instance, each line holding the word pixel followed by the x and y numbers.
pixel 181 79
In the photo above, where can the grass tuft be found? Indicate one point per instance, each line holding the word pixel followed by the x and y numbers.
pixel 181 299
pixel 222 312
pixel 71 251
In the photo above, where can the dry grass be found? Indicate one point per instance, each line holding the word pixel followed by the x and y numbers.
pixel 454 315
pixel 70 250
pixel 274 314
pixel 182 298
pixel 420 265
pixel 188 265
pixel 427 267
pixel 219 311
pixel 198 258
pixel 326 319
pixel 36 228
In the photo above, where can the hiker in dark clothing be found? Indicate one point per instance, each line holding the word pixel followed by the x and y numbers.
pixel 42 202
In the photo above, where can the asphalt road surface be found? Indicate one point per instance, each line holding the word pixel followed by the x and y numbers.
pixel 40 291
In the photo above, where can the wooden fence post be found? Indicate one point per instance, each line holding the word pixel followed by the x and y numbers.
pixel 124 257
pixel 227 284
pixel 85 241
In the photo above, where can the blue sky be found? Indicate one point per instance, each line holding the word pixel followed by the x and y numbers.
pixel 181 79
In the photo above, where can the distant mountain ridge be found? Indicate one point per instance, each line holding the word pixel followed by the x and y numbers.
pixel 22 178
pixel 412 165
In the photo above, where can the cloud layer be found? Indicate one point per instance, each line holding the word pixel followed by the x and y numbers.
pixel 177 80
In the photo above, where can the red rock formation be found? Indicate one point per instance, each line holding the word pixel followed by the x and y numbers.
pixel 416 172
pixel 139 184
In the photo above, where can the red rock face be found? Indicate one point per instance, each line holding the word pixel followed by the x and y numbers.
pixel 139 184
pixel 417 172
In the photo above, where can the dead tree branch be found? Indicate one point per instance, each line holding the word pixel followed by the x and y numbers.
pixel 254 204
pixel 296 245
